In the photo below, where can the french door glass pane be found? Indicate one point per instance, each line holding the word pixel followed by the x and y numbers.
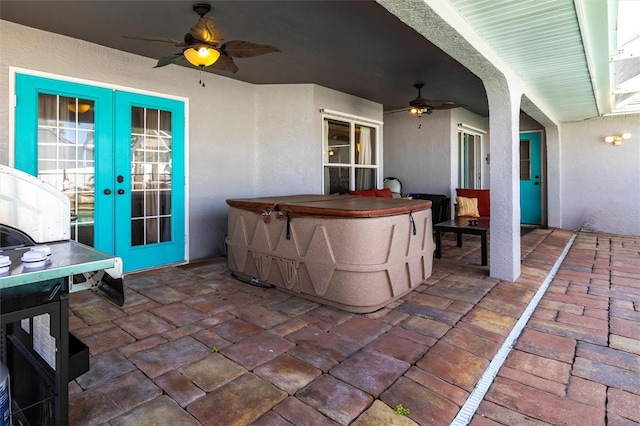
pixel 151 149
pixel 66 129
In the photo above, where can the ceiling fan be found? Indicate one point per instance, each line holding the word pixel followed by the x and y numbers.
pixel 203 45
pixel 421 105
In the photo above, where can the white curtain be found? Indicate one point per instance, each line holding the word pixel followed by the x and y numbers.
pixel 363 176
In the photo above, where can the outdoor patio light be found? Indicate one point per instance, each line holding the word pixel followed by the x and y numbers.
pixel 617 139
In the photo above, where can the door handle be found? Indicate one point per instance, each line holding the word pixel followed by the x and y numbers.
pixel 120 191
pixel 107 191
pixel 537 183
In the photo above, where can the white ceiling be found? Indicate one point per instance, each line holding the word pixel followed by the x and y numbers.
pixel 540 40
pixel 559 48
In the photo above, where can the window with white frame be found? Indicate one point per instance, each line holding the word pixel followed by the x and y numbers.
pixel 470 164
pixel 350 154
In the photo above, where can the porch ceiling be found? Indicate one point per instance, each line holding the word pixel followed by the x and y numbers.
pixel 358 47
pixel 558 47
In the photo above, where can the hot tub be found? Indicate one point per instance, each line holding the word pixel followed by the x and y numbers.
pixel 354 253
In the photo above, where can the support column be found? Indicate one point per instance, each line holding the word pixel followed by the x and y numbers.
pixel 554 177
pixel 504 145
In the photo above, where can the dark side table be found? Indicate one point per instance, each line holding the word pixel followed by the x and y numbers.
pixel 461 226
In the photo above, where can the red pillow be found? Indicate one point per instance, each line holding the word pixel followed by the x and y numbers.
pixel 383 193
pixel 365 193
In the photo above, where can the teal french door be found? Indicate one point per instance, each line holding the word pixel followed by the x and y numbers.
pixel 530 178
pixel 118 156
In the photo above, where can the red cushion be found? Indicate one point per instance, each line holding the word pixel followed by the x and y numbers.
pixel 383 193
pixel 364 193
pixel 484 199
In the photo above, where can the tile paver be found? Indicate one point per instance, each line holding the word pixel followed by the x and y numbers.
pixel 398 347
pixel 179 387
pixel 299 413
pixel 336 399
pixel 287 373
pixel 425 406
pixel 99 404
pixel 257 349
pixel 211 372
pixel 454 365
pixel 143 324
pixel 371 371
pixel 241 401
pixel 529 401
pixel 169 356
pixel 284 360
pixel 162 410
pixel 104 367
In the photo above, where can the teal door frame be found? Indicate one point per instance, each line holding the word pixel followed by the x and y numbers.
pixel 171 251
pixel 112 111
pixel 26 140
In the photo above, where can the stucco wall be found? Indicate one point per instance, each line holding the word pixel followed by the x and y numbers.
pixel 243 140
pixel 288 149
pixel 600 182
pixel 418 151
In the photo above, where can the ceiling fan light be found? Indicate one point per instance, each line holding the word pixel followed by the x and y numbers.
pixel 203 56
pixel 80 108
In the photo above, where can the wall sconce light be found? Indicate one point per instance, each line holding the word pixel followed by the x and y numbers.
pixel 617 139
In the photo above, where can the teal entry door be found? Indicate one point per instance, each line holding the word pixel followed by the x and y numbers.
pixel 118 156
pixel 530 178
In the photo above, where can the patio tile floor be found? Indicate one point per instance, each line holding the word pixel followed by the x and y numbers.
pixel 192 345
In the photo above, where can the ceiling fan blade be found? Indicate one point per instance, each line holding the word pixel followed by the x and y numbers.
pixel 156 40
pixel 246 49
pixel 395 110
pixel 448 105
pixel 225 63
pixel 168 60
pixel 205 30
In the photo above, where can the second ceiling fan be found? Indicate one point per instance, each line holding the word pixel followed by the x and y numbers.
pixel 420 105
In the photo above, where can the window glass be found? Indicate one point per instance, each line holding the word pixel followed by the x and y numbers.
pixel 350 156
pixel 470 164
pixel 525 160
pixel 66 156
pixel 339 142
